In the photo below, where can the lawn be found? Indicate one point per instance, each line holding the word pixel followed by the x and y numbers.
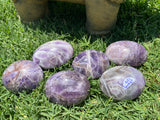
pixel 138 20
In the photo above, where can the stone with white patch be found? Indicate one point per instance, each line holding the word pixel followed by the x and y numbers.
pixel 122 82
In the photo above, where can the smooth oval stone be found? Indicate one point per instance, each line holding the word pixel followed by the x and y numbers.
pixel 53 53
pixel 22 75
pixel 67 88
pixel 126 53
pixel 122 82
pixel 91 63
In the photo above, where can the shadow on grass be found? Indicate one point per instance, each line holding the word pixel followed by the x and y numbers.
pixel 137 21
pixel 65 18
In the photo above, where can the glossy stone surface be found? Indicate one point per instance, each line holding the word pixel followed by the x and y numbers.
pixel 22 75
pixel 67 88
pixel 53 53
pixel 126 53
pixel 122 82
pixel 91 63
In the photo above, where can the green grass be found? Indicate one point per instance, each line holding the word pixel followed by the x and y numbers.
pixel 138 20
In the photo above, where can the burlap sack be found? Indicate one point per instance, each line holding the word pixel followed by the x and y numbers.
pixel 101 14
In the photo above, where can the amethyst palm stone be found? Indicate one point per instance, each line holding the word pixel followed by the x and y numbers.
pixel 122 83
pixel 67 88
pixel 53 53
pixel 22 75
pixel 91 63
pixel 126 53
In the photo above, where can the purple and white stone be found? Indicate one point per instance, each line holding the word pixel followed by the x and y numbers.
pixel 91 63
pixel 67 88
pixel 22 75
pixel 122 83
pixel 126 53
pixel 53 53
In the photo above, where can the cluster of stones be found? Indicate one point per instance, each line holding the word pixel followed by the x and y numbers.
pixel 72 87
pixel 124 82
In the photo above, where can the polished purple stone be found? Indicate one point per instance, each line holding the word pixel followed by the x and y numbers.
pixel 22 75
pixel 122 82
pixel 91 63
pixel 126 53
pixel 67 88
pixel 53 53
